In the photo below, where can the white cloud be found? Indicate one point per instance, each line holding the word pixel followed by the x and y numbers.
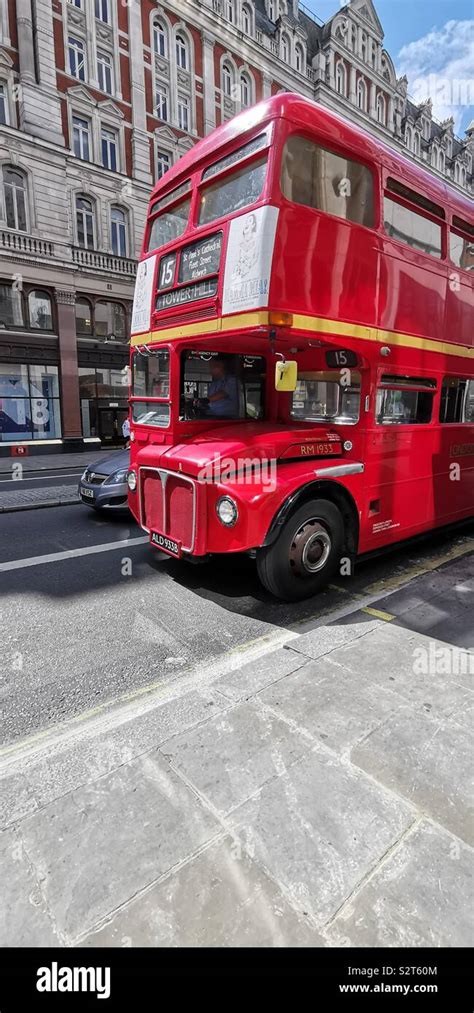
pixel 440 65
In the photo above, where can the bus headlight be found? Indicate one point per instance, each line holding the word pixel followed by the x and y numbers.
pixel 132 481
pixel 227 511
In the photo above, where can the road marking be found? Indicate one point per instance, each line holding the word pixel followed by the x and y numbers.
pixel 39 478
pixel 87 550
pixel 378 614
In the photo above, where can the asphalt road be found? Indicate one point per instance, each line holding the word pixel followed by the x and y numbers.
pixel 91 614
pixel 44 480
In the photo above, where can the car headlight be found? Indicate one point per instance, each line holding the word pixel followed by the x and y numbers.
pixel 227 511
pixel 118 477
pixel 132 480
pixel 83 476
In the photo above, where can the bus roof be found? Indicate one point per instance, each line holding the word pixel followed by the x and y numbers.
pixel 329 126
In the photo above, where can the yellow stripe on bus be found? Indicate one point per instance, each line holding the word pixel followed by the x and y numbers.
pixel 301 322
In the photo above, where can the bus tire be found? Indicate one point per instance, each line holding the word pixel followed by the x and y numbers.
pixel 305 554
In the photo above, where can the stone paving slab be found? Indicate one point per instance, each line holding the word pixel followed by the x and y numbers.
pixel 426 761
pixel 319 829
pixel 232 755
pixel 24 918
pixel 98 846
pixel 248 680
pixel 324 639
pixel 422 895
pixel 329 704
pixel 221 898
pixel 49 773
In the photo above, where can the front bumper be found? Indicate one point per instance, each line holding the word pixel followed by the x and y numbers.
pixel 104 497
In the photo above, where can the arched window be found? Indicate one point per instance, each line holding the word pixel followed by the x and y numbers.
pixel 160 38
pixel 441 161
pixel 341 79
pixel 231 11
pixel 245 91
pixel 14 191
pixel 271 9
pixel 182 54
pixel 246 20
pixel 85 223
pixel 285 49
pixel 381 110
pixel 118 232
pixel 409 138
pixel 83 316
pixel 39 310
pixel 227 80
pixel 299 58
pixel 362 94
pixel 363 48
pixel 110 320
pixel 416 144
pixel 462 175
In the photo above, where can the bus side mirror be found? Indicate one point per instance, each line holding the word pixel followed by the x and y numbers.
pixel 286 375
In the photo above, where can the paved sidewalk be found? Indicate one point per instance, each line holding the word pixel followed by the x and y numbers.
pixel 316 796
pixel 55 462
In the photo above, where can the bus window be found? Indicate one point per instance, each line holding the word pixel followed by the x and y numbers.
pixel 457 400
pixel 461 251
pixel 321 397
pixel 410 227
pixel 233 192
pixel 318 178
pixel 222 386
pixel 150 379
pixel 397 406
pixel 169 225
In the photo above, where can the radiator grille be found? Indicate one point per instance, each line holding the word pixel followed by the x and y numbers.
pixel 168 505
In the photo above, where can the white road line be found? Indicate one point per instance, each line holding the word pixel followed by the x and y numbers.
pixel 18 482
pixel 87 550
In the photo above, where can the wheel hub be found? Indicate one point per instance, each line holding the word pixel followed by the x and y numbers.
pixel 310 548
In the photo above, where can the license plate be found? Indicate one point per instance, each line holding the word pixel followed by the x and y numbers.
pixel 88 493
pixel 165 544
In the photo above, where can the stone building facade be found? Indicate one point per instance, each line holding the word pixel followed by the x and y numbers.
pixel 97 99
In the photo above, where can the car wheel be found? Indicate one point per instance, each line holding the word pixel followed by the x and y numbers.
pixel 306 553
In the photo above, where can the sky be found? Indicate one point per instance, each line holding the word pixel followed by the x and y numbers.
pixel 432 42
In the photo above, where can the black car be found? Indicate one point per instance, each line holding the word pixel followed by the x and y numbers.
pixel 103 485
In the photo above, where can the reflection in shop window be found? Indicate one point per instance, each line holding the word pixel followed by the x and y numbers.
pixel 11 307
pixel 39 309
pixel 83 317
pixel 110 321
pixel 29 403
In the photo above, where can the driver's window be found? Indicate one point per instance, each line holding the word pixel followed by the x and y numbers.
pixel 222 386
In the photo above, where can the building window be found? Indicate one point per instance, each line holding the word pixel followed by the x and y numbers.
pixel 246 20
pixel 341 79
pixel 245 91
pixel 39 310
pixel 105 72
pixel 11 306
pixel 85 223
pixel 160 39
pixel 4 119
pixel 102 11
pixel 227 80
pixel 14 190
pixel 183 112
pixel 381 110
pixel 29 400
pixel 163 163
pixel 231 11
pixel 299 58
pixel 118 229
pixel 317 178
pixel 271 9
pixel 75 3
pixel 83 317
pixel 285 49
pixel 108 139
pixel 162 101
pixel 110 320
pixel 362 95
pixel 81 137
pixel 77 58
pixel 416 144
pixel 182 55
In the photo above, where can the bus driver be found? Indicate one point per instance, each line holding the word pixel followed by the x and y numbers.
pixel 222 399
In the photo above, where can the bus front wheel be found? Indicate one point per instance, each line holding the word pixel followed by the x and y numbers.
pixel 305 554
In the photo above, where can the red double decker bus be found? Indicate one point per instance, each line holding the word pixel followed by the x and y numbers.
pixel 302 349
